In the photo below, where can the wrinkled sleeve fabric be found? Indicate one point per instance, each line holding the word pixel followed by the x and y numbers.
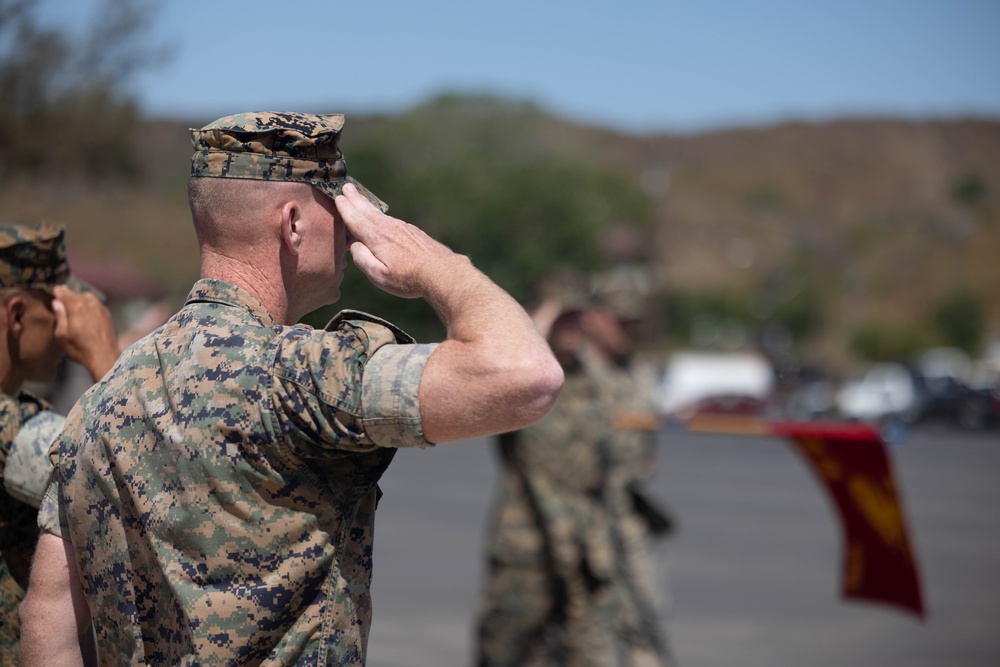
pixel 28 468
pixel 389 406
pixel 49 519
pixel 353 388
pixel 51 515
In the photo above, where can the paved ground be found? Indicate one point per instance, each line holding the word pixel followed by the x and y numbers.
pixel 753 574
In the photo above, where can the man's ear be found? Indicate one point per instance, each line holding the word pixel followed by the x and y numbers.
pixel 14 311
pixel 292 225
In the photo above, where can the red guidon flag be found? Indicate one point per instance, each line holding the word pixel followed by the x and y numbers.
pixel 851 462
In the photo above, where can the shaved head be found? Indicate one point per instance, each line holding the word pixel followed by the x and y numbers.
pixel 234 214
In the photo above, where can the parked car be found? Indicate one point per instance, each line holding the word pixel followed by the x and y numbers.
pixel 941 376
pixel 940 398
pixel 699 382
pixel 812 399
pixel 887 391
pixel 981 407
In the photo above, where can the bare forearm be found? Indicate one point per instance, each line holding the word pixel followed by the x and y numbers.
pixel 470 304
pixel 494 372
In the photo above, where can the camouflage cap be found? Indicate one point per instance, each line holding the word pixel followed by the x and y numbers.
pixel 276 146
pixel 36 259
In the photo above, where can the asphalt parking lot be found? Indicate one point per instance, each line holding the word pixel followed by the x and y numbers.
pixel 752 577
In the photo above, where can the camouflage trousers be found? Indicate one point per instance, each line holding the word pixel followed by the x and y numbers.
pixel 528 618
pixel 637 616
pixel 11 595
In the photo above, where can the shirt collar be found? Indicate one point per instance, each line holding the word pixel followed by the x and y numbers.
pixel 218 291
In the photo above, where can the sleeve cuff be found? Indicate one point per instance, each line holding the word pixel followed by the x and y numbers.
pixel 390 407
pixel 50 519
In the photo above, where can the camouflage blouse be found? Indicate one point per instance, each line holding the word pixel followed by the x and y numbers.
pixel 552 509
pixel 18 530
pixel 219 485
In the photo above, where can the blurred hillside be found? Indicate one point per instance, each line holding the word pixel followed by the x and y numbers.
pixel 884 223
pixel 836 231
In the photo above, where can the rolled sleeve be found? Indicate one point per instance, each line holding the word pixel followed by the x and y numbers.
pixel 50 518
pixel 390 408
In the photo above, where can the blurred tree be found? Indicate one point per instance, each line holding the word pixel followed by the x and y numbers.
pixel 765 199
pixel 801 313
pixel 64 108
pixel 708 318
pixel 969 190
pixel 878 342
pixel 790 298
pixel 960 321
pixel 793 296
pixel 498 181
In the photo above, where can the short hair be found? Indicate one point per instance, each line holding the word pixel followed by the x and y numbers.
pixel 228 211
pixel 209 198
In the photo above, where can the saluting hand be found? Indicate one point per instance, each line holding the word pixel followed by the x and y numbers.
pixel 395 256
pixel 85 330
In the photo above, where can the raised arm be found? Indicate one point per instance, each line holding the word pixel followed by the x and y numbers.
pixel 86 331
pixel 494 372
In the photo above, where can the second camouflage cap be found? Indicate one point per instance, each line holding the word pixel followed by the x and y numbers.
pixel 35 258
pixel 276 146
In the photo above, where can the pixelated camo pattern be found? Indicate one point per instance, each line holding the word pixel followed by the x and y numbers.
pixel 276 146
pixel 628 389
pixel 562 467
pixel 17 526
pixel 578 470
pixel 551 546
pixel 219 486
pixel 28 467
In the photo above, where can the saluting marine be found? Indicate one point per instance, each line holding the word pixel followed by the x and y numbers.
pixel 214 497
pixel 46 314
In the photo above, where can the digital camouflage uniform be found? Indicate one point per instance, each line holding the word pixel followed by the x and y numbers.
pixel 549 595
pixel 219 485
pixel 27 427
pixel 628 390
pixel 638 622
pixel 30 258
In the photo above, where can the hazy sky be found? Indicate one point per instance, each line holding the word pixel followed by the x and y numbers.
pixel 637 65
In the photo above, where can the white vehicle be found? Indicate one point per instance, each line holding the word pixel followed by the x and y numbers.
pixel 887 391
pixel 692 379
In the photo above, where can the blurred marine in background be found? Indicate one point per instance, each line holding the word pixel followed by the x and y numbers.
pixel 638 519
pixel 569 580
pixel 548 597
pixel 45 314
